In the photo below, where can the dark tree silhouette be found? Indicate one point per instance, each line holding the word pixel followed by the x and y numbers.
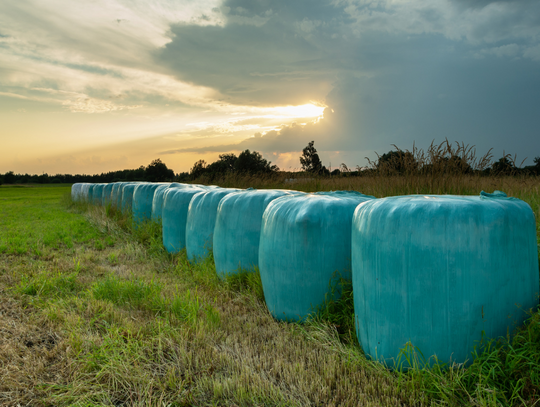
pixel 397 161
pixel 310 160
pixel 225 164
pixel 199 168
pixel 9 177
pixel 157 171
pixel 246 163
pixel 504 166
pixel 253 163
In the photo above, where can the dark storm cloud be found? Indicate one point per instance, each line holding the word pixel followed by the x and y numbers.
pixel 267 53
pixel 398 76
pixel 484 3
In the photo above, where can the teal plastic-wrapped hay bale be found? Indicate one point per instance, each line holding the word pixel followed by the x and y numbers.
pixel 201 220
pixel 76 192
pixel 238 229
pixel 141 204
pixel 97 194
pixel 159 196
pixel 174 216
pixel 435 272
pixel 84 192
pixel 90 193
pixel 127 196
pixel 106 198
pixel 305 244
pixel 117 194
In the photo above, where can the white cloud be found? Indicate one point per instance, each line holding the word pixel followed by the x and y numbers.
pixel 508 51
pixel 103 46
pixel 91 105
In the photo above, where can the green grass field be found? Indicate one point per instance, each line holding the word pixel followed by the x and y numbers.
pixel 95 313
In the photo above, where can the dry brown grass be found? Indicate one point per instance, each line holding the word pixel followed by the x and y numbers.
pixel 32 353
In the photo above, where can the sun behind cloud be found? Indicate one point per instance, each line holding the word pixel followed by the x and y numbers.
pixel 309 110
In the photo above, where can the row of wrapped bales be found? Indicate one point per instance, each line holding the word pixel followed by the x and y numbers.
pixel 441 271
pixel 437 272
pixel 201 220
pixel 305 246
pixel 238 229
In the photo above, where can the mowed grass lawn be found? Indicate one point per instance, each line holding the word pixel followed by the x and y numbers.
pixel 95 313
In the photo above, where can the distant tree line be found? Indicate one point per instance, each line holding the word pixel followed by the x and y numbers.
pixel 436 160
pixel 246 163
pixel 156 171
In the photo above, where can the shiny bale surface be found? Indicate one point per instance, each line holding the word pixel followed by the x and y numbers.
pixel 439 271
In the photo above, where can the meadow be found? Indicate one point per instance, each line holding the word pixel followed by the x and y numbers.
pixel 94 312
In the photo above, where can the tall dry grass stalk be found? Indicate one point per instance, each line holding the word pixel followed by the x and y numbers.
pixel 439 159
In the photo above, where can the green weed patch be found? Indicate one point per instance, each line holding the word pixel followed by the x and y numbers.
pixel 50 285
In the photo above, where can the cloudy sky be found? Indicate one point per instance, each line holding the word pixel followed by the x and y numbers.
pixel 111 84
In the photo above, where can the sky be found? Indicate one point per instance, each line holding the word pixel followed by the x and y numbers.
pixel 106 85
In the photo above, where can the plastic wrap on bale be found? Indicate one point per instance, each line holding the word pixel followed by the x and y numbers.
pixel 141 203
pixel 76 191
pixel 175 211
pixel 159 196
pixel 97 195
pixel 85 192
pixel 127 197
pixel 201 220
pixel 90 193
pixel 115 193
pixel 238 229
pixel 433 274
pixel 305 248
pixel 106 198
